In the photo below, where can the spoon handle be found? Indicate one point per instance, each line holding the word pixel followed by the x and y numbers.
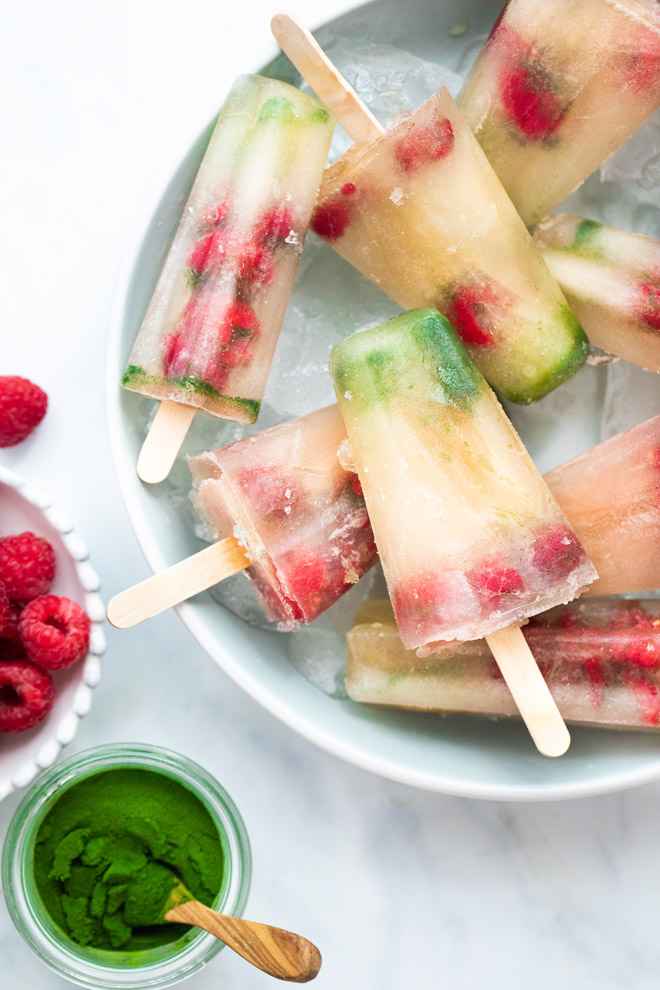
pixel 279 953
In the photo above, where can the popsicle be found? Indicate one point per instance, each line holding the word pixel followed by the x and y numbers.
pixel 600 658
pixel 283 510
pixel 611 494
pixel 209 334
pixel 611 278
pixel 300 516
pixel 420 212
pixel 557 88
pixel 469 536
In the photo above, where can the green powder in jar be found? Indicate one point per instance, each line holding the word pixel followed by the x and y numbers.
pixel 108 848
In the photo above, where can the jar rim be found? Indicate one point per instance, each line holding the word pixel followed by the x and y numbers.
pixel 95 968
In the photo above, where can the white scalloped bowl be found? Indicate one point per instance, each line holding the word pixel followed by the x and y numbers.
pixel 24 754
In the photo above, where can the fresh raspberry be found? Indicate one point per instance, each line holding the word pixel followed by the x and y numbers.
pixel 474 310
pixel 529 101
pixel 275 225
pixel 208 252
pixel 22 407
pixel 269 491
pixel 26 695
pixel 424 145
pixel 648 306
pixel 557 550
pixel 55 631
pixel 256 263
pixel 330 219
pixel 493 581
pixel 216 215
pixel 11 646
pixel 5 608
pixel 27 566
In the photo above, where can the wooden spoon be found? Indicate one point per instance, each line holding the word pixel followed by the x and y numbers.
pixel 275 951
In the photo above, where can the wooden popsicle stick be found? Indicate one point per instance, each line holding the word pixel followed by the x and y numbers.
pixel 282 954
pixel 163 441
pixel 329 85
pixel 177 583
pixel 530 691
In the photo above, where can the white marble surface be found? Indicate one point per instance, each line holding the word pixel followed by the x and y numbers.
pixel 399 888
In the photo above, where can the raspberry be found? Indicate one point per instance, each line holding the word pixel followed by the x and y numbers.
pixel 331 219
pixel 5 608
pixel 594 670
pixel 471 312
pixel 275 225
pixel 216 374
pixel 557 550
pixel 27 566
pixel 26 695
pixel 240 320
pixel 216 215
pixel 648 309
pixel 348 189
pixel 256 263
pixel 22 407
pixel 55 631
pixel 648 699
pixel 11 647
pixel 424 145
pixel 208 252
pixel 492 581
pixel 529 101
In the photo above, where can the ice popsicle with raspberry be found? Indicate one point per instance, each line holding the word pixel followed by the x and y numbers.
pixel 299 515
pixel 557 88
pixel 611 278
pixel 600 658
pixel 210 330
pixel 470 538
pixel 421 213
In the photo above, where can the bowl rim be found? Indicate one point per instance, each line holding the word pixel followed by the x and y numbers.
pixel 90 673
pixel 190 614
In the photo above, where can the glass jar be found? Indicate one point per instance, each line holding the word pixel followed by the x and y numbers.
pixel 156 967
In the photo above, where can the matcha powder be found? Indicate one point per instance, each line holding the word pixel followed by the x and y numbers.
pixel 111 847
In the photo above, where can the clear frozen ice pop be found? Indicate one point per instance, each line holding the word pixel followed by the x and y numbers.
pixel 611 494
pixel 470 538
pixel 421 213
pixel 611 278
pixel 300 516
pixel 557 87
pixel 210 331
pixel 600 658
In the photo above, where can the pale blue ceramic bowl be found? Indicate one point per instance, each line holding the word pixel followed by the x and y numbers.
pixel 457 755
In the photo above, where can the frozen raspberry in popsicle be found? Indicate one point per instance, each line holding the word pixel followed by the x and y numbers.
pixel 236 249
pixel 557 88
